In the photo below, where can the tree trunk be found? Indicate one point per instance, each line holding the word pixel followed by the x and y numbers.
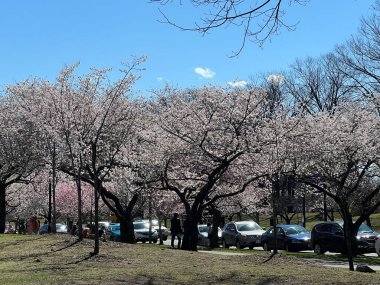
pixel 216 221
pixel 124 214
pixel 3 212
pixel 127 233
pixel 368 222
pixel 348 236
pixel 96 218
pixel 190 238
pixel 80 223
pixel 160 230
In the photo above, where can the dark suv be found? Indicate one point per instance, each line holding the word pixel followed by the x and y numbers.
pixel 329 236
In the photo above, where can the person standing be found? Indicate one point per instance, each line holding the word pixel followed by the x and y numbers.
pixel 176 230
pixel 29 227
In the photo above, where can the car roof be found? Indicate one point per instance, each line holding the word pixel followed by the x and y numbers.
pixel 288 226
pixel 244 222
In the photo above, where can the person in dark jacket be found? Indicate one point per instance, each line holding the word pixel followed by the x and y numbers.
pixel 176 230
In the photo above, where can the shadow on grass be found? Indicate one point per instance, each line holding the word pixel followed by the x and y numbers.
pixel 17 242
pixel 336 258
pixel 68 245
pixel 269 280
pixel 89 256
pixel 39 254
pixel 270 257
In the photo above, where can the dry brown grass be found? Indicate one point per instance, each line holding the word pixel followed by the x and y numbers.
pixel 62 260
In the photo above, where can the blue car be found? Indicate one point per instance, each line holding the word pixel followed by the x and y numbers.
pixel 113 232
pixel 289 237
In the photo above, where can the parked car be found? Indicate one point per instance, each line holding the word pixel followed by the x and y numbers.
pixel 242 234
pixel 329 236
pixel 203 239
pixel 103 223
pixel 289 237
pixel 60 228
pixel 155 226
pixel 377 246
pixel 142 232
pixel 9 229
pixel 113 232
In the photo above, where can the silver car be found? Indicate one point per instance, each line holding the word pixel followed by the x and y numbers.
pixel 142 232
pixel 203 239
pixel 242 234
pixel 155 226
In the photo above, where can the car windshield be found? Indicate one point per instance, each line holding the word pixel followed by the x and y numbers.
pixel 114 228
pixel 203 229
pixel 248 227
pixel 362 229
pixel 140 226
pixel 295 230
pixel 365 229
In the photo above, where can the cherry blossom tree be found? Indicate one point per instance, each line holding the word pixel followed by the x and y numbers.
pixel 338 155
pixel 20 155
pixel 203 139
pixel 92 122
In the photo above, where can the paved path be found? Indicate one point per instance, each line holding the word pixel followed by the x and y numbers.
pixel 222 252
pixel 327 263
pixel 341 264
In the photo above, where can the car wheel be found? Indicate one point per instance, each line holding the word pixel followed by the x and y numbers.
pixel 238 245
pixel 251 247
pixel 266 246
pixel 224 244
pixel 318 249
pixel 288 248
pixel 154 241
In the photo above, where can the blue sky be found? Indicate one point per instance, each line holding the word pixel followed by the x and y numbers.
pixel 39 37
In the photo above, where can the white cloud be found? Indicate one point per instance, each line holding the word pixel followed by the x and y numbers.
pixel 241 83
pixel 160 79
pixel 276 79
pixel 204 72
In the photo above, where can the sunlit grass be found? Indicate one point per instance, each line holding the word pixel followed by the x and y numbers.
pixel 62 260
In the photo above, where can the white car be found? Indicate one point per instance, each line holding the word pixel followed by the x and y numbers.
pixel 142 232
pixel 155 226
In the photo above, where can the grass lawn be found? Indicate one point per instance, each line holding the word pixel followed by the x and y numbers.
pixel 59 259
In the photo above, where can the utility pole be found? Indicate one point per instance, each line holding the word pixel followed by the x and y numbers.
pixel 303 210
pixel 275 186
pixel 54 220
pixel 150 217
pixel 324 206
pixel 49 213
